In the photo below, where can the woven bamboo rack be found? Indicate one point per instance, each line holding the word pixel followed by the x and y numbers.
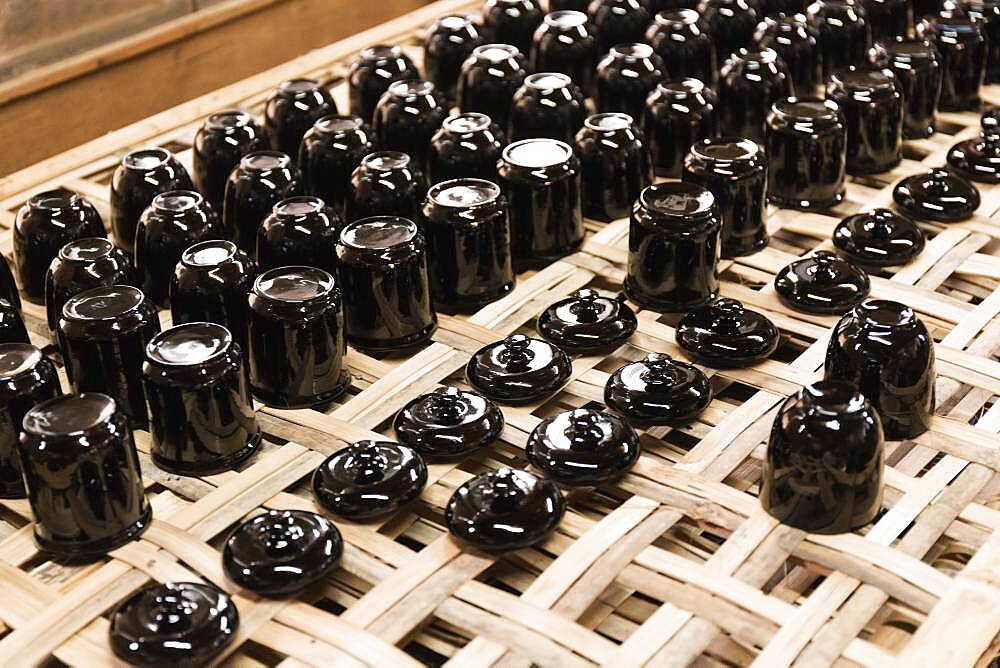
pixel 675 564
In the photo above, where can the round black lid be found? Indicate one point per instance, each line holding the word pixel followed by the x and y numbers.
pixel 448 422
pixel 937 195
pixel 822 283
pixel 587 322
pixel 658 390
pixel 724 334
pixel 518 369
pixel 368 479
pixel 583 447
pixel 880 237
pixel 979 158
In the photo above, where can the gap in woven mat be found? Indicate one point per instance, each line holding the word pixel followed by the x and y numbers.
pixel 425 655
pixel 103 176
pixel 912 152
pixel 950 556
pixel 891 628
pixel 175 146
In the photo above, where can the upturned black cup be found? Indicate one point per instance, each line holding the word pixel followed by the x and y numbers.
pixel 871 103
pixel 749 84
pixel 467 145
pixel 678 114
pixel 844 34
pixel 735 171
pixel 12 329
pixel 371 74
pixel 299 231
pixel 103 334
pixel 383 272
pixel 200 410
pixel 615 165
pixel 222 140
pixel 386 183
pixel 489 79
pixel 262 179
pixel 468 240
pixel 882 348
pixel 47 222
pixel 564 43
pixel 731 24
pixel 797 45
pixel 961 44
pixel 26 378
pixel 174 221
pixel 889 19
pixel 81 265
pixel 682 39
pixel 141 176
pixel 541 181
pixel 297 343
pixel 449 42
pixel 291 110
pixel 626 76
pixel 806 154
pixel 82 472
pixel 987 12
pixel 918 71
pixel 548 104
pixel 407 117
pixel 331 151
pixel 673 247
pixel 512 21
pixel 618 21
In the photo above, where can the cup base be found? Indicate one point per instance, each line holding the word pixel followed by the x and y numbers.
pixel 661 306
pixel 278 400
pixel 226 463
pixel 400 345
pixel 867 169
pixel 471 305
pixel 805 204
pixel 94 549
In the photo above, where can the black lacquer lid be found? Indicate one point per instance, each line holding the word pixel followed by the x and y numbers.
pixel 880 238
pixel 724 334
pixel 369 478
pixel 658 390
pixel 587 322
pixel 448 422
pixel 505 509
pixel 822 283
pixel 518 369
pixel 937 195
pixel 979 159
pixel 583 447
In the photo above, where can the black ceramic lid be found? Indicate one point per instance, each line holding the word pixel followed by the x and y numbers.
pixel 448 422
pixel 506 509
pixel 183 623
pixel 518 369
pixel 17 359
pixel 979 159
pixel 822 283
pixel 368 479
pixel 880 238
pixel 587 322
pixel 724 334
pixel 658 390
pixel 583 447
pixel 936 195
pixel 281 552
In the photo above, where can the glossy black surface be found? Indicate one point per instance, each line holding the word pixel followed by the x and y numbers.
pixel 586 322
pixel 824 464
pixel 103 334
pixel 936 195
pixel 466 146
pixel 626 76
pixel 12 329
pixel 682 39
pixel 618 21
pixel 677 115
pixel 749 83
pixel 797 45
pixel 725 335
pixel 449 41
pixel 548 104
pixel 512 21
pixel 141 176
pixel 8 286
pixel 731 24
pixel 281 552
pixel 489 79
pixel 844 34
pixel 297 338
pixel 822 283
pixel 979 159
pixel 506 509
pixel 47 222
pixel 200 411
pixel 871 103
pixel 386 183
pixel 407 116
pixel 961 45
pixel 564 42
pixel 330 152
pixel 658 391
pixel 222 140
pixel 673 247
pixel 615 165
pixel 371 73
pixel 518 369
pixel 583 447
pixel 882 348
pixel 987 12
pixel 383 273
pixel 26 378
pixel 806 154
pixel 82 473
pixel 448 422
pixel 778 8
pixel 369 479
pixel 173 623
pixel 262 180
pixel 915 64
pixel 467 227
pixel 291 110
pixel 80 265
pixel 888 19
pixel 299 231
pixel 878 238
pixel 173 222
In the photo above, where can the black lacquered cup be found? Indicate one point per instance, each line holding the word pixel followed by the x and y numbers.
pixel 735 171
pixel 387 183
pixel 618 21
pixel 174 221
pixel 383 272
pixel 297 343
pixel 678 114
pixel 200 410
pixel 8 286
pixel 468 241
pixel 615 165
pixel 371 74
pixel 291 110
pixel 872 106
pixel 682 39
pixel 548 104
pixel 449 42
pixel 222 140
pixel 962 47
pixel 625 78
pixel 81 265
pixel 918 71
pixel 26 378
pixel 47 222
pixel 987 12
pixel 541 181
pixel 749 84
pixel 141 176
pixel 844 34
pixel 564 43
pixel 103 334
pixel 489 79
pixel 299 231
pixel 512 21
pixel 673 247
pixel 407 116
pixel 731 24
pixel 331 151
pixel 806 152
pixel 262 179
pixel 889 19
pixel 467 145
pixel 797 45
pixel 12 329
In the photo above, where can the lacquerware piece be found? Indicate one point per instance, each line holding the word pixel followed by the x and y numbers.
pixel 291 110
pixel 448 43
pixel 407 116
pixel 872 106
pixel 844 34
pixel 507 509
pixel 331 150
pixel 806 152
pixel 8 286
pixel 878 238
pixel 299 230
pixel 281 552
pixel 780 8
pixel 749 84
pixel 618 21
pixel 142 175
pixel 219 145
pixel 822 283
pixel 386 183
pixel 262 179
pixel 936 195
pixel 979 158
pixel 882 348
pixel 731 24
pixel 797 45
pixel 889 19
pixel 549 105
pixel 512 21
pixel 918 71
pixel 961 44
pixel 173 623
pixel 371 74
pixel 369 479
pixel 518 369
pixel 583 447
pixel 658 391
pixel 200 409
pixel 726 335
pixel 83 264
pixel 587 322
pixel 466 146
pixel 615 164
pixel 987 12
pixel 823 471
pixel 564 43
pixel 82 473
pixel 489 79
pixel 682 39
pixel 678 114
pixel 448 422
pixel 626 76
pixel 12 329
